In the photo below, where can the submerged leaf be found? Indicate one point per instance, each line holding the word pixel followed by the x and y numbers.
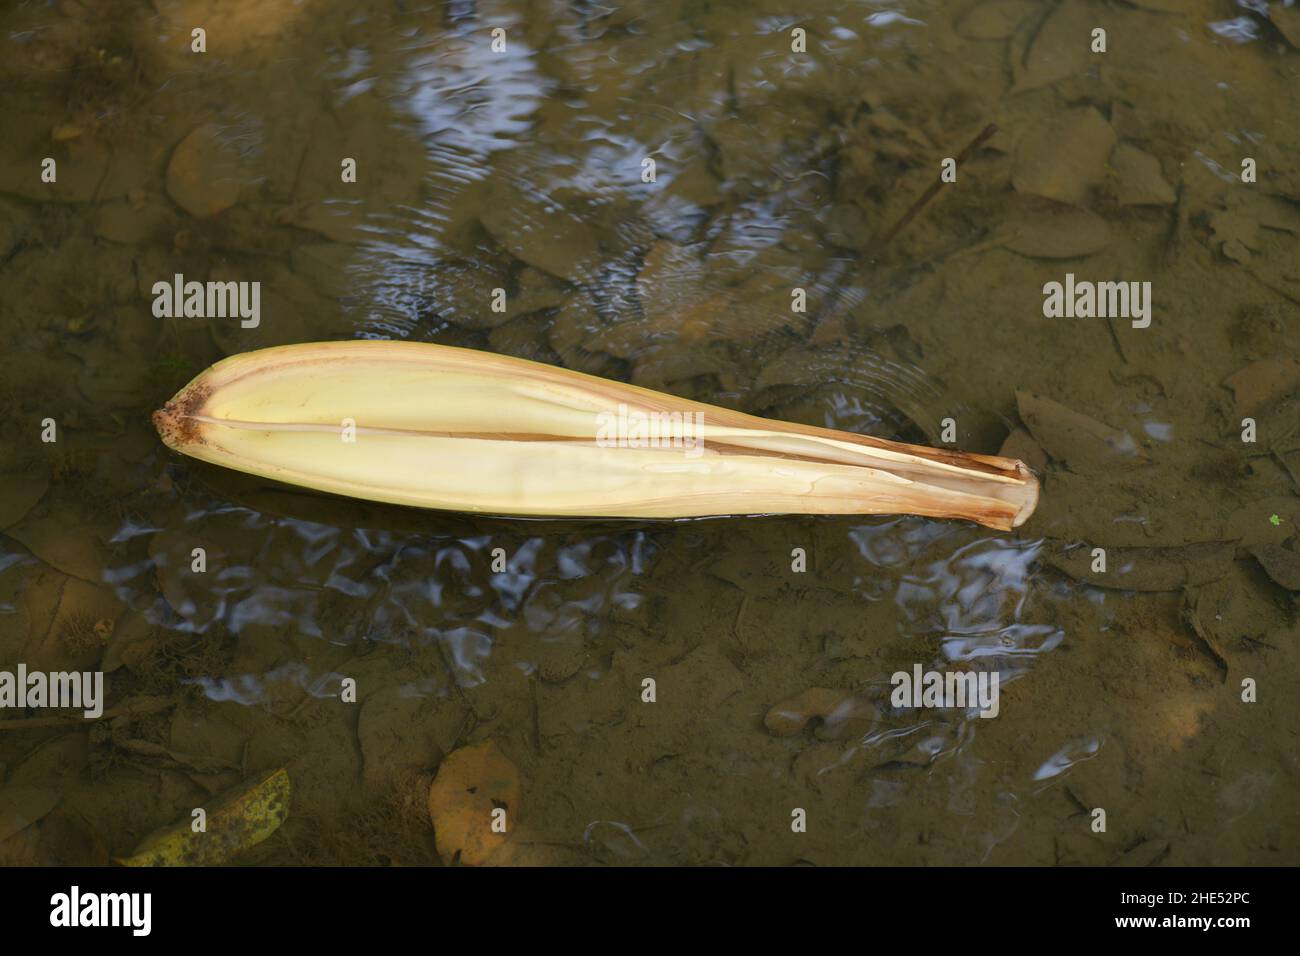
pixel 1084 444
pixel 1287 21
pixel 1259 383
pixel 472 783
pixel 1149 569
pixel 993 20
pixel 541 234
pixel 1060 48
pixel 1199 608
pixel 1019 444
pixel 20 807
pixel 44 533
pixel 238 820
pixel 1140 180
pixel 1283 566
pixel 1261 521
pixel 18 495
pixel 1062 156
pixel 1236 233
pixel 1053 231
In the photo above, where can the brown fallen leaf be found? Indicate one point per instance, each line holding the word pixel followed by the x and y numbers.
pixel 20 807
pixel 1273 212
pixel 18 495
pixel 133 641
pixel 1287 21
pixel 1258 231
pixel 1235 233
pixel 46 534
pixel 535 291
pixel 994 19
pixel 1283 566
pixel 1040 230
pixel 670 280
pixel 1197 612
pixel 22 849
pixel 1060 48
pixel 471 784
pixel 1140 181
pixel 462 291
pixel 184 590
pixel 541 234
pixel 1062 156
pixel 657 368
pixel 68 838
pixel 329 267
pixel 1083 444
pixel 1021 445
pixel 1149 569
pixel 1260 383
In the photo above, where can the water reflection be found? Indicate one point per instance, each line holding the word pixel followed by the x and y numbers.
pixel 348 585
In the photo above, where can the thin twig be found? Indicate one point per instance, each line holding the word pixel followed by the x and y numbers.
pixel 929 194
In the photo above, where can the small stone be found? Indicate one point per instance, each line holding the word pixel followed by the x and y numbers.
pixel 204 176
pixel 791 715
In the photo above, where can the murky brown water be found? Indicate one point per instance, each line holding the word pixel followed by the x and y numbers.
pixel 774 170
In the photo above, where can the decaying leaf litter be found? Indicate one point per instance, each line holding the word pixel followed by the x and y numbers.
pixel 768 178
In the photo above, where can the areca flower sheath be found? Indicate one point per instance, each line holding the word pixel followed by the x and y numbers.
pixel 451 428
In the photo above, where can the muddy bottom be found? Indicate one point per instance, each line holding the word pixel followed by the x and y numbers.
pixel 801 214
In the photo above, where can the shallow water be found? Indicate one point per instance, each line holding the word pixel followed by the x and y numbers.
pixel 773 170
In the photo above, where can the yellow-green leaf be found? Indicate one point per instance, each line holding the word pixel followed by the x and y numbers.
pixel 240 819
